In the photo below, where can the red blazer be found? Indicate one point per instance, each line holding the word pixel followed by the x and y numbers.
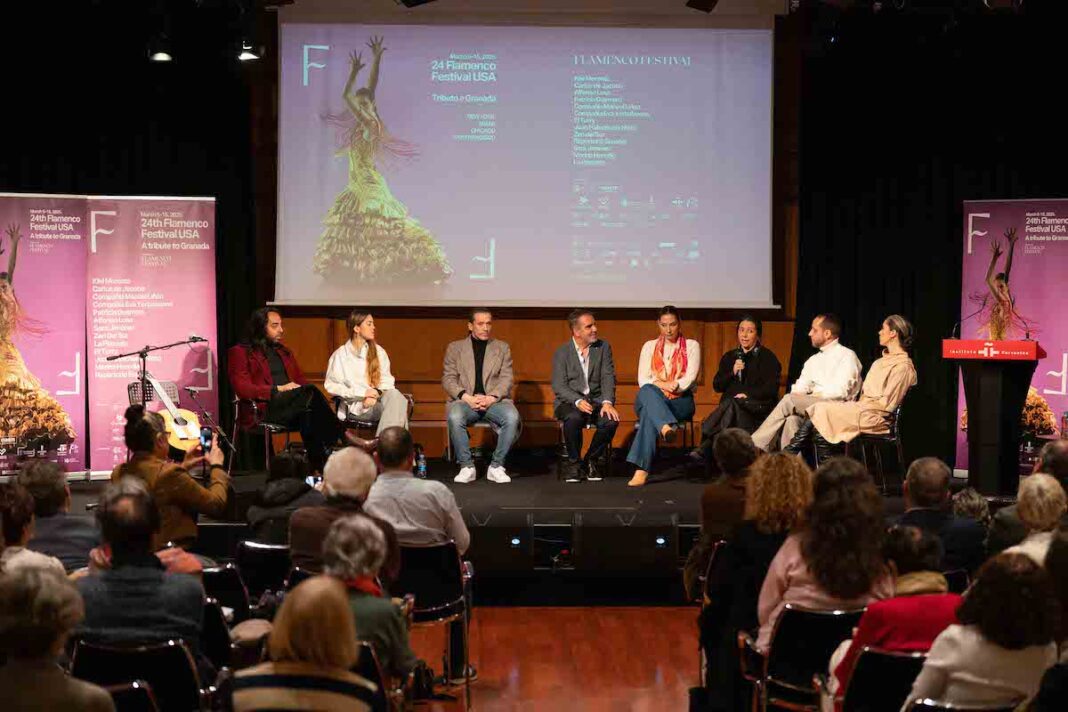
pixel 904 624
pixel 250 377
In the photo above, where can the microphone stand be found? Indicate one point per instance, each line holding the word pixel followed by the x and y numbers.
pixel 207 416
pixel 142 354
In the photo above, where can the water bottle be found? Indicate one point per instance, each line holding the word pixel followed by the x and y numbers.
pixel 420 462
pixel 1064 425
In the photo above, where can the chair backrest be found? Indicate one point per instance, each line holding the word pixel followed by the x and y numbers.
pixel 263 566
pixel 368 667
pixel 802 643
pixel 433 574
pixel 881 680
pixel 958 580
pixel 225 585
pixel 927 705
pixel 170 388
pixel 296 576
pixel 215 634
pixel 168 667
pixel 136 696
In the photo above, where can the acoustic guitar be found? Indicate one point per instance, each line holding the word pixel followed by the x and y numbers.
pixel 183 426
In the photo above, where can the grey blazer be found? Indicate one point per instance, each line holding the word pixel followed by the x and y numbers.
pixel 458 371
pixel 569 382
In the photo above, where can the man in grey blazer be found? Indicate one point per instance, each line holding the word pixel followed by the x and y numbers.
pixel 477 376
pixel 584 382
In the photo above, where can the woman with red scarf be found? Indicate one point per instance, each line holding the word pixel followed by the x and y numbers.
pixel 667 370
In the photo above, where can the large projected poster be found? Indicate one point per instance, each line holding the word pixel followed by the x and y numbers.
pixel 525 166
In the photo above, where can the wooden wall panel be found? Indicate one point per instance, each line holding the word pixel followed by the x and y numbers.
pixel 417 347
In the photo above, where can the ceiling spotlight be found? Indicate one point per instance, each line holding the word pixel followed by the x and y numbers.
pixel 159 50
pixel 247 53
pixel 703 5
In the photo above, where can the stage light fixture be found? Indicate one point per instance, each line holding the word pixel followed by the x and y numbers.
pixel 412 3
pixel 159 50
pixel 247 52
pixel 703 5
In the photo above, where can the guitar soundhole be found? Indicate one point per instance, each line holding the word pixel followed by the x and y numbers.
pixel 179 421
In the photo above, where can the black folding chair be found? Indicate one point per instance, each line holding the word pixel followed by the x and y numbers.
pixel 927 705
pixel 436 577
pixel 893 438
pixel 881 680
pixel 215 634
pixel 225 585
pixel 263 567
pixel 168 667
pixel 368 667
pixel 136 696
pixel 296 576
pixel 800 648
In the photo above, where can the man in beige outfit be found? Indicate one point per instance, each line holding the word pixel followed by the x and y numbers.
pixel 477 376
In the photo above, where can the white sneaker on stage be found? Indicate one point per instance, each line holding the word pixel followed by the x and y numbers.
pixel 466 476
pixel 496 473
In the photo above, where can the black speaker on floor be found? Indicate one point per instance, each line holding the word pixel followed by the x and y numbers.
pixel 703 5
pixel 626 543
pixel 501 541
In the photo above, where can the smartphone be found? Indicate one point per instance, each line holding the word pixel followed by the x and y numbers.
pixel 206 436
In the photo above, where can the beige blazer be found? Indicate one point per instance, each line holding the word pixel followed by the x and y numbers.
pixel 458 371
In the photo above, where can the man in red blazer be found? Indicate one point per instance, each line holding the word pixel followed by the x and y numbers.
pixel 265 373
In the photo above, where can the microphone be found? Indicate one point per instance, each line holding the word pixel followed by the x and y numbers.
pixel 740 354
pixel 194 339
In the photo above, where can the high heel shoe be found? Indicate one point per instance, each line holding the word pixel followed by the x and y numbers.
pixel 638 480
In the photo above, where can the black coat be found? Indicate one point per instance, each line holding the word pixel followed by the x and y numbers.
pixel 760 379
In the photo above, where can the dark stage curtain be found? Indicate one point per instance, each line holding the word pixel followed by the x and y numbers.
pixel 902 119
pixel 85 112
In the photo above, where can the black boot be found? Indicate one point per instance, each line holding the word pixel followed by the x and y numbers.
pixel 801 438
pixel 823 448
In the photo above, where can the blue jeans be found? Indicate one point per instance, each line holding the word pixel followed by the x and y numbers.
pixel 655 410
pixel 502 414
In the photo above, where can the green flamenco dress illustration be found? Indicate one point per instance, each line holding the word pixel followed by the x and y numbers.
pixel 369 235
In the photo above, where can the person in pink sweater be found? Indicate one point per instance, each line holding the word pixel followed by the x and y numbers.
pixel 835 560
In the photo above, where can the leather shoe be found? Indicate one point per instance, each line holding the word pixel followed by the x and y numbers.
pixel 368 446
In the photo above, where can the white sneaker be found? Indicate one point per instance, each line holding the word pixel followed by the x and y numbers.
pixel 466 476
pixel 496 473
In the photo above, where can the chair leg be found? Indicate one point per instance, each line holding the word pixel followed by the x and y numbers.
pixel 268 448
pixel 467 661
pixel 233 442
pixel 879 465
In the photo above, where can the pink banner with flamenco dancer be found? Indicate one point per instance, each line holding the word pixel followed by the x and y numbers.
pixel 42 330
pixel 151 282
pixel 1015 256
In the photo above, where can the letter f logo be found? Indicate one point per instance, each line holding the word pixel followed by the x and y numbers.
pixel 307 64
pixel 94 230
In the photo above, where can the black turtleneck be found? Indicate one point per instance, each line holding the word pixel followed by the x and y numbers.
pixel 279 377
pixel 480 355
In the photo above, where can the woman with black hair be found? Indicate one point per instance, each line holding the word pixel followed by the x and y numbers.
pixel 748 383
pixel 287 491
pixel 179 497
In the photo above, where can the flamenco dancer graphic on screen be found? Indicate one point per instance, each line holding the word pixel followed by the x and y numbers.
pixel 28 412
pixel 998 318
pixel 369 235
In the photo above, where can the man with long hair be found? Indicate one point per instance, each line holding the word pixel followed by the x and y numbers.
pixel 265 376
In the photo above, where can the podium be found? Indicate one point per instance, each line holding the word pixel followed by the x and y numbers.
pixel 996 377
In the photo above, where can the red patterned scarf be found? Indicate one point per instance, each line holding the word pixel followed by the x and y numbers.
pixel 676 368
pixel 367 584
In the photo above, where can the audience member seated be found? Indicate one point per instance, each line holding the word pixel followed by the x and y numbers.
pixel 969 504
pixel 179 497
pixel 38 610
pixel 422 512
pixel 835 561
pixel 1056 565
pixel 353 553
pixel 347 479
pixel 56 532
pixel 927 506
pixel 1040 504
pixel 311 649
pixel 1053 692
pixel 1006 529
pixel 136 600
pixel 778 492
pixel 920 610
pixel 17 520
pixel 1003 644
pixel 286 492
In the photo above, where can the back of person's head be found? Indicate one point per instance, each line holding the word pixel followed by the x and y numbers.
pixel 734 451
pixel 288 465
pixel 972 505
pixel 1040 502
pixel 927 482
pixel 1012 603
pixel 912 549
pixel 315 625
pixel 778 492
pixel 394 447
pixel 142 429
pixel 349 473
pixel 38 609
pixel 355 546
pixel 830 322
pixel 1056 565
pixel 16 512
pixel 46 482
pixel 128 517
pixel 1053 460
pixel 843 534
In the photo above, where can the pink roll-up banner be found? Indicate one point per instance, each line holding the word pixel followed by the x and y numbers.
pixel 151 282
pixel 42 330
pixel 1014 291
